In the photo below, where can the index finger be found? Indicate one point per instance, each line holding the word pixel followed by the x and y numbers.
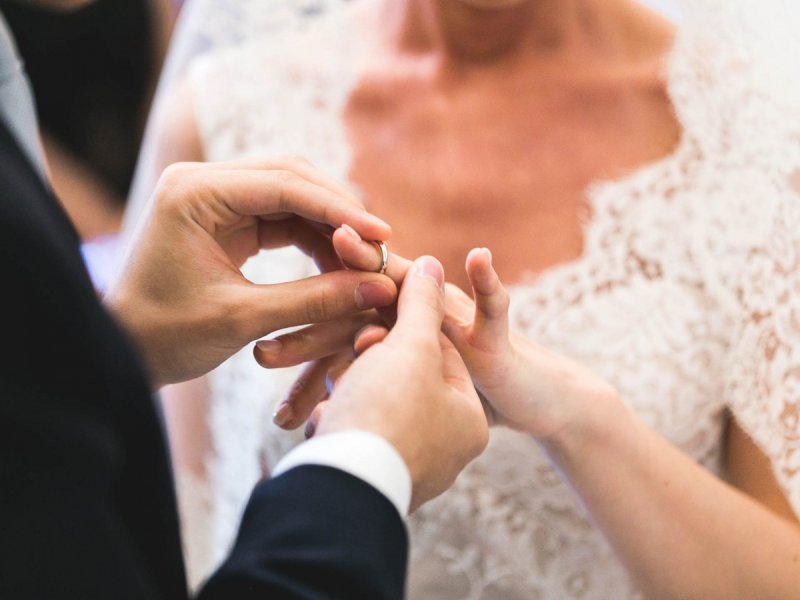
pixel 260 193
pixel 357 253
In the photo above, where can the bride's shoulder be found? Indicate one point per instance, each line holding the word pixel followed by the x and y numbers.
pixel 740 126
pixel 729 94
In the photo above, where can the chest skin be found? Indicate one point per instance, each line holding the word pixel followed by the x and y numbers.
pixel 500 160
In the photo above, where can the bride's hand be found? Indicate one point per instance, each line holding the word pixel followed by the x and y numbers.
pixel 526 386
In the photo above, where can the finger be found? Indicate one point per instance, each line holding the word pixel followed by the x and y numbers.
pixel 359 254
pixel 491 299
pixel 269 193
pixel 263 309
pixel 458 306
pixel 368 337
pixel 307 391
pixel 297 164
pixel 314 419
pixel 312 342
pixel 420 306
pixel 305 235
pixel 334 373
pixel 454 370
pixel 492 418
pixel 459 316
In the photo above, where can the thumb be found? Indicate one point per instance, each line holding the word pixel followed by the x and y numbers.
pixel 317 299
pixel 420 306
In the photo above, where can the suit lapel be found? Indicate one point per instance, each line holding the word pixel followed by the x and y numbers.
pixel 12 153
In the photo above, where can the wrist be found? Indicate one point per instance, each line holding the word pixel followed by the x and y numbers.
pixel 361 453
pixel 126 316
pixel 594 421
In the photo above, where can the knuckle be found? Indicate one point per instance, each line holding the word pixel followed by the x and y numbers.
pixel 284 182
pixel 238 321
pixel 177 182
pixel 497 304
pixel 284 177
pixel 176 172
pixel 431 297
pixel 503 298
pixel 502 302
pixel 319 305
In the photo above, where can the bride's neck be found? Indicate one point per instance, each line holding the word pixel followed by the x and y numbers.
pixel 475 31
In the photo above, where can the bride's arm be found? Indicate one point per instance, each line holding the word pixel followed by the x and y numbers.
pixel 681 531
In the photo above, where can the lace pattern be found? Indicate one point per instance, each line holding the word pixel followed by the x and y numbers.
pixel 686 298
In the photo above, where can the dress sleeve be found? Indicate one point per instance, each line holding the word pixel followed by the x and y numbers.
pixel 763 371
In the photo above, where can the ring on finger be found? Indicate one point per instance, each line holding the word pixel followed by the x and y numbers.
pixel 384 250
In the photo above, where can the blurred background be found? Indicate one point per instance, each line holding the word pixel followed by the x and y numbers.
pixel 93 72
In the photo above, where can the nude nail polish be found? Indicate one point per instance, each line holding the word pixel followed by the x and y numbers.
pixel 282 415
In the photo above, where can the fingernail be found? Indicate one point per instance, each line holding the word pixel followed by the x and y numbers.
pixel 488 254
pixel 309 430
pixel 282 415
pixel 329 383
pixel 380 222
pixel 427 266
pixel 373 295
pixel 352 232
pixel 269 346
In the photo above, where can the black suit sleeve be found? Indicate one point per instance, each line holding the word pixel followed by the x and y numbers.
pixel 62 535
pixel 317 533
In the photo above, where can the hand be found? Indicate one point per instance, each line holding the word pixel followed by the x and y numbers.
pixel 527 387
pixel 182 296
pixel 411 387
pixel 327 346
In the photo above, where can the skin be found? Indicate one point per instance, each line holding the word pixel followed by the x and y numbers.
pixel 681 531
pixel 181 293
pixel 540 87
pixel 183 299
pixel 431 379
pixel 182 279
pixel 459 88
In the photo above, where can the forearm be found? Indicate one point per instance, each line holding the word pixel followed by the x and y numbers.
pixel 681 531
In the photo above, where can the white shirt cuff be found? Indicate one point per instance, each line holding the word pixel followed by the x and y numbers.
pixel 361 454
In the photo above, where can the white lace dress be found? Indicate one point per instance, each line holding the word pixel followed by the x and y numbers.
pixel 686 298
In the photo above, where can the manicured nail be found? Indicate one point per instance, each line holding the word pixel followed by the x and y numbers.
pixel 269 346
pixel 282 415
pixel 380 222
pixel 373 295
pixel 309 430
pixel 427 266
pixel 352 232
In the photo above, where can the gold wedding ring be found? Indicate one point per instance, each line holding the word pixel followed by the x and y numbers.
pixel 384 250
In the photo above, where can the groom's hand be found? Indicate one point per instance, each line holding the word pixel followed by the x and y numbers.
pixel 412 388
pixel 181 294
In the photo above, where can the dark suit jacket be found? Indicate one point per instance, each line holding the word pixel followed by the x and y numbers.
pixel 87 507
